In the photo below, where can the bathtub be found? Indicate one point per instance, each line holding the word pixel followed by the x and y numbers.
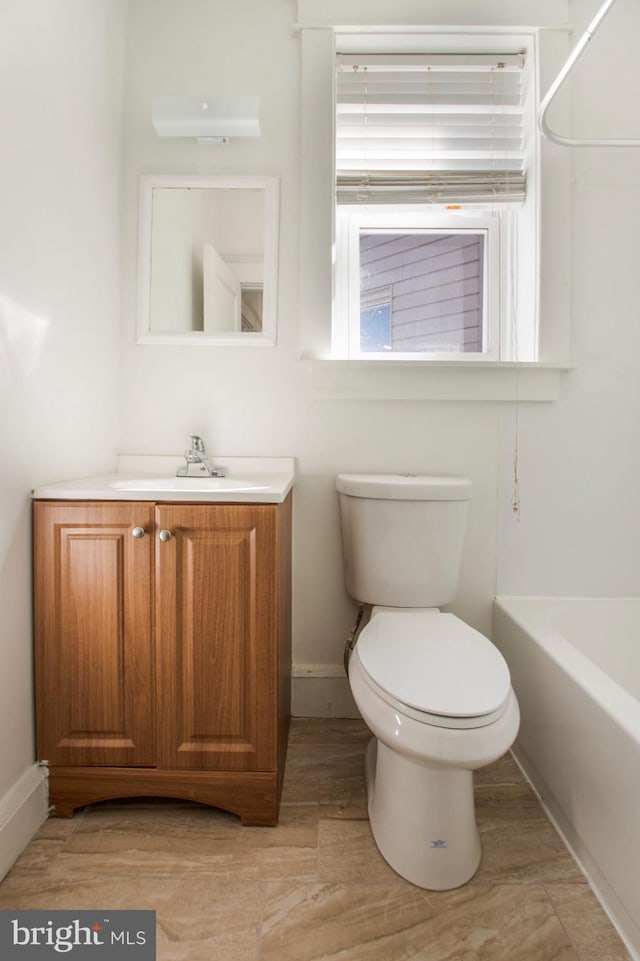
pixel 575 667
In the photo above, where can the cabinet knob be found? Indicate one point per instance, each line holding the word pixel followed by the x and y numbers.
pixel 137 532
pixel 165 535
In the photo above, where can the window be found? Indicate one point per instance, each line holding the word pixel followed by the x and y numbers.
pixel 426 275
pixel 434 298
pixel 374 326
pixel 435 240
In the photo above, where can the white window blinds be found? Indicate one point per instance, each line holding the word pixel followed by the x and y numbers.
pixel 429 128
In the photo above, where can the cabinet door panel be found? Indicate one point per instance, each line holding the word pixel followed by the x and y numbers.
pixel 216 638
pixel 93 593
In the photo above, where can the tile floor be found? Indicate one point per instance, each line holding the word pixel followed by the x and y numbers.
pixel 315 888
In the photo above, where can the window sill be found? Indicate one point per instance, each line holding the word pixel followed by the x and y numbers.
pixel 433 380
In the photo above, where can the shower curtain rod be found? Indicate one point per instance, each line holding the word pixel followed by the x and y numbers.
pixel 562 76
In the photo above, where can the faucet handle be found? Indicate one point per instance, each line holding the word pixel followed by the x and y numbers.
pixel 197 443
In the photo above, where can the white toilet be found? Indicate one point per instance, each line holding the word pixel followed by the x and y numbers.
pixel 435 693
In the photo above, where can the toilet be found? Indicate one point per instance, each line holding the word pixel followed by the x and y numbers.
pixel 435 693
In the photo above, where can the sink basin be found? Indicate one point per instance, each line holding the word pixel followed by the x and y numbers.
pixel 148 478
pixel 189 484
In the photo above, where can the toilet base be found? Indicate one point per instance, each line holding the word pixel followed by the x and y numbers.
pixel 422 818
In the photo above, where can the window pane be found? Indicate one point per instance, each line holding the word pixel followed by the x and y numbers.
pixel 434 287
pixel 375 328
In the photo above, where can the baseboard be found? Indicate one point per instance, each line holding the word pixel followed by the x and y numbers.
pixel 321 690
pixel 23 810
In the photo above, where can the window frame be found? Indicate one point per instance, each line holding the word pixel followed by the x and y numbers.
pixel 511 324
pixel 331 377
pixel 352 219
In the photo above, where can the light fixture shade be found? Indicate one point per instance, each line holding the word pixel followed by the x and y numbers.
pixel 206 118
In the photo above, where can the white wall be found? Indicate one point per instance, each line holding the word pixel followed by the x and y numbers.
pixel 61 69
pixel 257 401
pixel 579 529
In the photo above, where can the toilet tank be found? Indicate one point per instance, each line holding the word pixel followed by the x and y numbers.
pixel 402 537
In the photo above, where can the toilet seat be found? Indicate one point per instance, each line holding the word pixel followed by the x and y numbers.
pixel 434 667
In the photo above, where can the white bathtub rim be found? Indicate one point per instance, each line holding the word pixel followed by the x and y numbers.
pixel 621 706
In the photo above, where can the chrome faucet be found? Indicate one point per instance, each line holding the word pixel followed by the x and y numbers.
pixel 198 464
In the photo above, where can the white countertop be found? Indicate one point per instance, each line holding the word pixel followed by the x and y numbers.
pixel 248 480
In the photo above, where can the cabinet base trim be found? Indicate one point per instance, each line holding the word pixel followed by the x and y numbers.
pixel 254 797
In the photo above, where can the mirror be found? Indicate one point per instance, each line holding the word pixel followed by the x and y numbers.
pixel 208 260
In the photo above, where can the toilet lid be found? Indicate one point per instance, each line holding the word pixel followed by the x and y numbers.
pixel 434 663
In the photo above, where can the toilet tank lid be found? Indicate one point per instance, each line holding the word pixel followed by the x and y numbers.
pixel 408 487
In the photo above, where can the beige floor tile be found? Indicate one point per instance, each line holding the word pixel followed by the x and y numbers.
pixel 197 919
pixel 80 891
pixel 503 771
pixel 316 888
pixel 586 923
pixel 508 800
pixel 186 843
pixel 39 856
pixel 518 841
pixel 375 922
pixel 524 851
pixel 347 853
pixel 352 807
pixel 207 920
pixel 325 763
pixel 323 732
pixel 58 829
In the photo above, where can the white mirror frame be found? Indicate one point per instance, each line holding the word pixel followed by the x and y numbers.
pixel 264 338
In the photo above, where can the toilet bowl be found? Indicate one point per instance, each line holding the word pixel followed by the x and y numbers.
pixel 435 693
pixel 437 697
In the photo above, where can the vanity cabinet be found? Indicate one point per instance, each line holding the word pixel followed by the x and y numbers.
pixel 163 651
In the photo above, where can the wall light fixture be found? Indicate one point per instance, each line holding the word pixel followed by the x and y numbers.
pixel 210 120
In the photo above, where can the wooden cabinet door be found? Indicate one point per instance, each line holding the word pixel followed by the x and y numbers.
pixel 216 609
pixel 93 642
